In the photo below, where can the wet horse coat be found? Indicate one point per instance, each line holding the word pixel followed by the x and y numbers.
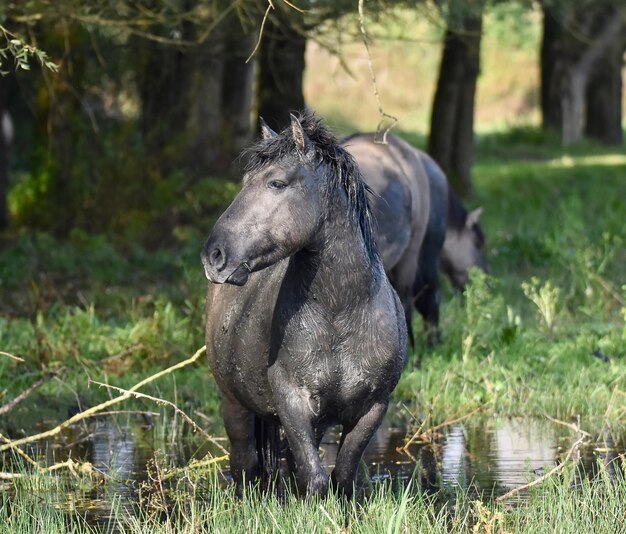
pixel 303 327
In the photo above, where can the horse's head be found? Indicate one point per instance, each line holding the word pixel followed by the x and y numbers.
pixel 277 212
pixel 463 249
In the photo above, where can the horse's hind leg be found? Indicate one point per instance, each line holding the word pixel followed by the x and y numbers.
pixel 353 443
pixel 244 461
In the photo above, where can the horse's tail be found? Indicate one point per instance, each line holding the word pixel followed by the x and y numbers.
pixel 267 435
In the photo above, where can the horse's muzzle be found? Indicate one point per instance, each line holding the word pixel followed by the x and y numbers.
pixel 219 270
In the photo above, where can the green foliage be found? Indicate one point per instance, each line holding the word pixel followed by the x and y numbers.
pixel 21 52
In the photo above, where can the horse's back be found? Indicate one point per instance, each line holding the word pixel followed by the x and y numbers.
pixel 396 175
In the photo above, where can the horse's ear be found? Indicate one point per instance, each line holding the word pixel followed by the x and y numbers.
pixel 303 143
pixel 266 131
pixel 473 217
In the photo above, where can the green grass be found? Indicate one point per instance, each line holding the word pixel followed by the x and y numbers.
pixel 519 342
pixel 523 341
pixel 202 505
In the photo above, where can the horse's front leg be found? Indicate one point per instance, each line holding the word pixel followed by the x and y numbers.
pixel 297 419
pixel 244 461
pixel 353 442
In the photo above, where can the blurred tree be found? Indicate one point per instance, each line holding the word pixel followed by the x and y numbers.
pixel 5 142
pixel 281 66
pixel 603 99
pixel 281 54
pixel 581 61
pixel 451 138
pixel 196 101
pixel 175 68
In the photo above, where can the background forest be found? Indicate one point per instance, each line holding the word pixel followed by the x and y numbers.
pixel 122 124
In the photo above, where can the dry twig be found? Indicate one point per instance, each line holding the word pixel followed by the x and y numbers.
pixel 25 394
pixel 100 407
pixel 164 402
pixel 12 356
pixel 270 5
pixel 423 434
pixel 383 115
pixel 575 428
pixel 557 469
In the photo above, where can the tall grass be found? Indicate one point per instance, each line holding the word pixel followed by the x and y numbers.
pixel 563 504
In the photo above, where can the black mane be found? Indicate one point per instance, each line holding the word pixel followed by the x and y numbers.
pixel 341 169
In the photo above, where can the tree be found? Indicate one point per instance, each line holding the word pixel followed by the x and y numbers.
pixel 181 62
pixel 581 55
pixel 5 142
pixel 451 139
pixel 281 67
pixel 603 99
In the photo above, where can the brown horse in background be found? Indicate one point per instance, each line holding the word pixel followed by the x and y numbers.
pixel 421 224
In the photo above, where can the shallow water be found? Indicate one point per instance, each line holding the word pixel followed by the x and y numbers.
pixel 480 456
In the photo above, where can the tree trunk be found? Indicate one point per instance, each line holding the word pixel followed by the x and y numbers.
pixel 237 97
pixel 573 98
pixel 61 125
pixel 281 68
pixel 196 102
pixel 576 44
pixel 551 56
pixel 5 142
pixel 451 140
pixel 604 96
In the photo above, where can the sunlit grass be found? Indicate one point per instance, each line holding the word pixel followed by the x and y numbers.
pixel 49 504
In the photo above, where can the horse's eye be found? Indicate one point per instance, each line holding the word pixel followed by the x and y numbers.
pixel 276 184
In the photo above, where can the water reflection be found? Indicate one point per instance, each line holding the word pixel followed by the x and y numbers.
pixel 481 456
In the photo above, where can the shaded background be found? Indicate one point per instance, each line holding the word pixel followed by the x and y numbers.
pixel 152 100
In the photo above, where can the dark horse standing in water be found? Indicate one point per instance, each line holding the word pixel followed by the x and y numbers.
pixel 303 327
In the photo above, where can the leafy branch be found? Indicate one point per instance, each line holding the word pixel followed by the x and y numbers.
pixel 22 52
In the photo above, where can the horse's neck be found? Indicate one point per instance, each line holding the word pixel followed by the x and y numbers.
pixel 337 270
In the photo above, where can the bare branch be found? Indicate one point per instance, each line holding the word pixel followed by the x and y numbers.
pixel 258 42
pixel 383 115
pixel 164 402
pixel 25 394
pixel 100 407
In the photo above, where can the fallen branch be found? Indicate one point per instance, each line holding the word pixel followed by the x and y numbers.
pixel 100 407
pixel 10 476
pixel 195 464
pixel 130 412
pixel 423 435
pixel 164 402
pixel 553 471
pixel 21 453
pixel 75 468
pixel 25 394
pixel 574 427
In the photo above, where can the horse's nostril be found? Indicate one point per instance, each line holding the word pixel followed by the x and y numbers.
pixel 217 258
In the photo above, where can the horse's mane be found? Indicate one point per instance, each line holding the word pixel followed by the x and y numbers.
pixel 457 216
pixel 341 168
